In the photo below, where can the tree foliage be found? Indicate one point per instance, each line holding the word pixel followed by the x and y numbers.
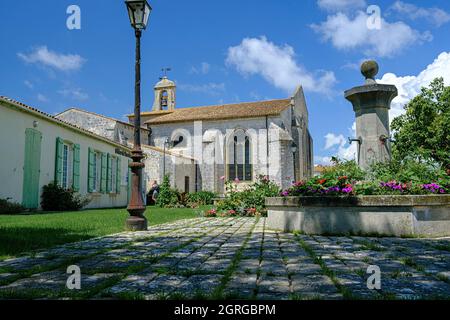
pixel 423 132
pixel 167 196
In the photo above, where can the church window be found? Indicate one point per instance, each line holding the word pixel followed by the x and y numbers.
pixel 239 157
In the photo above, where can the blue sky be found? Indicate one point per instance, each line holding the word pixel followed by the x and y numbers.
pixel 223 52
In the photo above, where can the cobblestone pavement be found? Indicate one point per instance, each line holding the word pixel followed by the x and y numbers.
pixel 233 258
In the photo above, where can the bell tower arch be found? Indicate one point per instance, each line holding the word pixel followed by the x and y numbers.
pixel 165 91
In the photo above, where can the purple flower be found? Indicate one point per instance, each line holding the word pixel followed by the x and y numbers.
pixel 433 188
pixel 347 190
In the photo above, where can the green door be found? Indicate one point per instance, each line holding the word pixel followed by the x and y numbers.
pixel 31 169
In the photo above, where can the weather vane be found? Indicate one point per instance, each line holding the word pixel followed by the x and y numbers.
pixel 165 70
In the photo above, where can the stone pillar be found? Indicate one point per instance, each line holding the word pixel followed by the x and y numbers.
pixel 371 103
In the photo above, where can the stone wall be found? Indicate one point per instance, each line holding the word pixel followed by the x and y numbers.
pixel 427 215
pixel 175 166
pixel 109 128
pixel 209 149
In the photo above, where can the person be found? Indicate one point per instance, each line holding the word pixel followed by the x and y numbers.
pixel 154 191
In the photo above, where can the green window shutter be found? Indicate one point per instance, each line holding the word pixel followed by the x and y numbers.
pixel 91 168
pixel 104 173
pixel 109 173
pixel 76 167
pixel 118 175
pixel 58 161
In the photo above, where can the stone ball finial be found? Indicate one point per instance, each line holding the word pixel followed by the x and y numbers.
pixel 369 69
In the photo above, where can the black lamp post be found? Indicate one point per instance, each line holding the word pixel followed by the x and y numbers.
pixel 139 12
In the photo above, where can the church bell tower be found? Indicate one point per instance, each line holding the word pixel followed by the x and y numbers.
pixel 164 95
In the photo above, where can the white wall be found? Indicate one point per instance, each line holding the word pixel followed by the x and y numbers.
pixel 211 171
pixel 176 167
pixel 13 124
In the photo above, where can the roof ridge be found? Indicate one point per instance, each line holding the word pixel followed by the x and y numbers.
pixel 100 115
pixel 231 104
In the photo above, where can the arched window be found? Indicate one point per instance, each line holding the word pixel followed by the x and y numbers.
pixel 239 157
pixel 179 142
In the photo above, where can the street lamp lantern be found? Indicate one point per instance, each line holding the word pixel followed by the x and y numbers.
pixel 139 12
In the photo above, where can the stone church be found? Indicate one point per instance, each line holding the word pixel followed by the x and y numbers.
pixel 202 147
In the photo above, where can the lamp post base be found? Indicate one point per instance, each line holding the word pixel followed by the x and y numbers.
pixel 135 223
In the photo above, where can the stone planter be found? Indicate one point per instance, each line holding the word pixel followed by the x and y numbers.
pixel 421 215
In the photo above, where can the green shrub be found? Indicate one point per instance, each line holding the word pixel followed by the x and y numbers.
pixel 167 197
pixel 343 168
pixel 201 197
pixel 7 207
pixel 393 178
pixel 250 201
pixel 56 198
pixel 409 171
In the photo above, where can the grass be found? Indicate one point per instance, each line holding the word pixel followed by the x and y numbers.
pixel 20 234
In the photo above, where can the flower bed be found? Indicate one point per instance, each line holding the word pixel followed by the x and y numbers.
pixel 346 187
pixel 390 199
pixel 346 179
pixel 248 201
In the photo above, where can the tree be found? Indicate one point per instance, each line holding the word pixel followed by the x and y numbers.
pixel 167 196
pixel 423 132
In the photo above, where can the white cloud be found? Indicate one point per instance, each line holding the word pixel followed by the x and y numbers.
pixel 29 84
pixel 339 145
pixel 322 160
pixel 434 15
pixel 74 93
pixel 44 57
pixel 42 98
pixel 341 5
pixel 332 140
pixel 276 64
pixel 208 88
pixel 410 86
pixel 346 33
pixel 204 68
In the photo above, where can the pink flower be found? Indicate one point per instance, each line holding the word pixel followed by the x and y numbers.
pixel 222 178
pixel 237 180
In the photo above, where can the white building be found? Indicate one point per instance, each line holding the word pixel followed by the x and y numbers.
pixel 39 148
pixel 199 147
pixel 234 141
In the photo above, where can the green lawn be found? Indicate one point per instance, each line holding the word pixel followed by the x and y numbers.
pixel 23 233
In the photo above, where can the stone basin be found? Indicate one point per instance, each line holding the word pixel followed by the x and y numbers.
pixel 387 215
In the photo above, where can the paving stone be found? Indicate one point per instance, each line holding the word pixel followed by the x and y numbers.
pixel 190 256
pixel 314 286
pixel 273 267
pixel 277 285
pixel 304 267
pixel 203 285
pixel 217 265
pixel 248 266
pixel 241 285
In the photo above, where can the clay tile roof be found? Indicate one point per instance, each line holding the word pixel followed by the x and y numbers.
pixel 221 112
